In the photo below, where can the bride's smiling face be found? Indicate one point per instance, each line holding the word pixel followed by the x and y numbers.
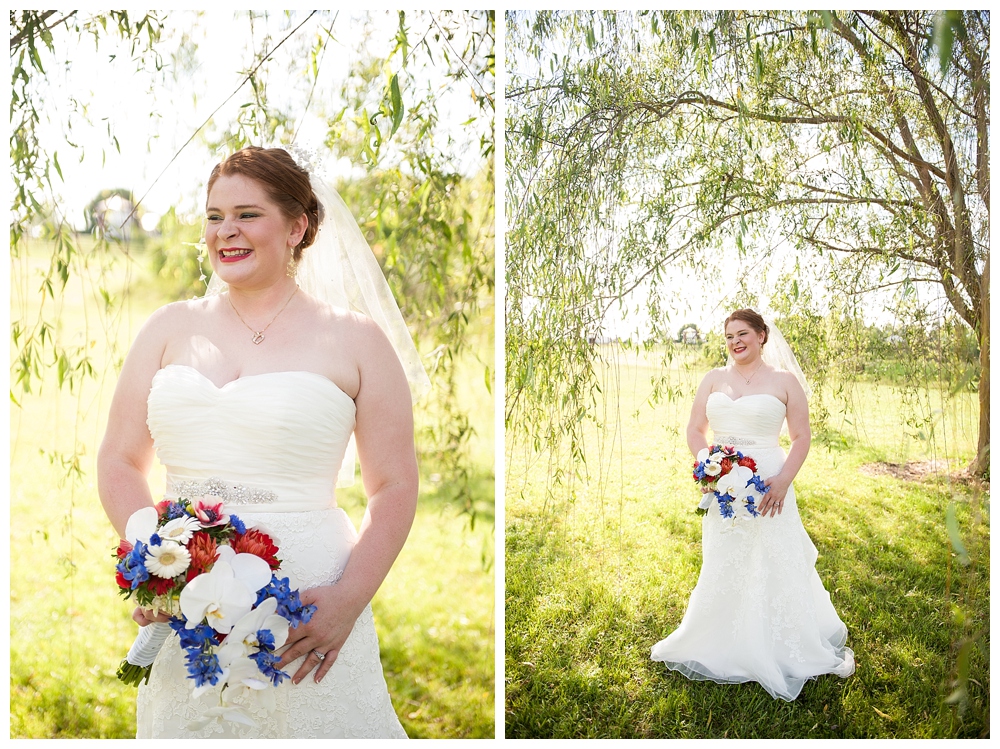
pixel 249 238
pixel 744 343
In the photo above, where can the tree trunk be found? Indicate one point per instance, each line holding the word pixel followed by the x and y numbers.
pixel 981 465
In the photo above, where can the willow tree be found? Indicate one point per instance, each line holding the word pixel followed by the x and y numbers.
pixel 637 143
pixel 425 201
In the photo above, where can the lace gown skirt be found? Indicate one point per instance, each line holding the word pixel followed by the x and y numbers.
pixel 759 611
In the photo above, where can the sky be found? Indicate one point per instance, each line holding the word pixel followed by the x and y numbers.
pixel 153 115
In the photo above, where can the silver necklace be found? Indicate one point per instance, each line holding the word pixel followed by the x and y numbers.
pixel 258 335
pixel 751 376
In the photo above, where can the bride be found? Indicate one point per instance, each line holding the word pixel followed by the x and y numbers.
pixel 759 611
pixel 252 394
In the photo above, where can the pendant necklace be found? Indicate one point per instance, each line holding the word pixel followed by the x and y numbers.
pixel 258 335
pixel 751 376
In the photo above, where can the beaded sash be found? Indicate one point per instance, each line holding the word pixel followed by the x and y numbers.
pixel 230 493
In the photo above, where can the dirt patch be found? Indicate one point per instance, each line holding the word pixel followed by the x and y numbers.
pixel 923 470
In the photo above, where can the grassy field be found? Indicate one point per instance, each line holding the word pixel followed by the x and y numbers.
pixel 69 629
pixel 601 568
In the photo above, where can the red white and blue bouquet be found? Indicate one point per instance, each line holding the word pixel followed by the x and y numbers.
pixel 733 478
pixel 217 581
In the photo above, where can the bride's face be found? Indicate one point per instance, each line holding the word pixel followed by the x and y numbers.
pixel 249 239
pixel 743 342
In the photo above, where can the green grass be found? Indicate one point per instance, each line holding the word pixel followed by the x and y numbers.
pixel 601 568
pixel 69 628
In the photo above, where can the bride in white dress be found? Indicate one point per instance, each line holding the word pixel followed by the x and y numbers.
pixel 252 394
pixel 759 611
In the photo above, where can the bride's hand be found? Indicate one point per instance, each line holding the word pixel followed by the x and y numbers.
pixel 326 633
pixel 144 617
pixel 774 500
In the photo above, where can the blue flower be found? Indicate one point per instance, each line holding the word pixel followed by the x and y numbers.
pixel 155 540
pixel 265 640
pixel 267 663
pixel 238 524
pixel 133 566
pixel 199 638
pixel 175 510
pixel 203 667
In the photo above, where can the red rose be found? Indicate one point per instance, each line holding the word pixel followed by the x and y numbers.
pixel 122 582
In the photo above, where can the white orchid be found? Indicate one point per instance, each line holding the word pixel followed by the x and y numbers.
pixel 735 482
pixel 141 525
pixel 218 597
pixel 242 638
pixel 227 592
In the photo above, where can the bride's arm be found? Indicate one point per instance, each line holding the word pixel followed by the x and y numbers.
pixel 384 437
pixel 126 453
pixel 797 415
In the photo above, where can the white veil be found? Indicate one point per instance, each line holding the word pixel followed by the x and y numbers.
pixel 340 269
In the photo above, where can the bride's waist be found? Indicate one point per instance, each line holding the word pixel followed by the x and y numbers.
pixel 736 440
pixel 250 497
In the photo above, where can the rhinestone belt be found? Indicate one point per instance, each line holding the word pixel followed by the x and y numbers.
pixel 234 494
pixel 724 440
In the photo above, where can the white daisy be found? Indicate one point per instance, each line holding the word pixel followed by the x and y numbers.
pixel 180 529
pixel 167 559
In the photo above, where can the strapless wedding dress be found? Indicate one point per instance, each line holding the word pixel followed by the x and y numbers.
pixel 759 611
pixel 271 446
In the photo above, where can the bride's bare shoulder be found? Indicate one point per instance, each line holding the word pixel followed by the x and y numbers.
pixel 179 315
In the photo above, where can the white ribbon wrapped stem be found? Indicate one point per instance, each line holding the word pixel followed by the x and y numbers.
pixel 148 643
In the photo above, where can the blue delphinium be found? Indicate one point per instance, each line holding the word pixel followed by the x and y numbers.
pixel 202 663
pixel 267 664
pixel 289 605
pixel 203 667
pixel 133 566
pixel 725 505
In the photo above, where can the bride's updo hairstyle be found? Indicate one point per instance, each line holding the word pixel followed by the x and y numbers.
pixel 751 318
pixel 285 183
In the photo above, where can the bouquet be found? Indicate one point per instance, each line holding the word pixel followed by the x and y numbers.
pixel 733 478
pixel 217 581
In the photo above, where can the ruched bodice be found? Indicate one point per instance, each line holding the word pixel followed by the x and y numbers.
pixel 756 419
pixel 283 432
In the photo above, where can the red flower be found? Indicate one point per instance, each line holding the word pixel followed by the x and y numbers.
pixel 204 551
pixel 124 547
pixel 727 466
pixel 159 585
pixel 122 582
pixel 161 507
pixel 748 462
pixel 259 544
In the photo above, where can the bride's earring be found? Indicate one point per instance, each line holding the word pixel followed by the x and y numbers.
pixel 292 266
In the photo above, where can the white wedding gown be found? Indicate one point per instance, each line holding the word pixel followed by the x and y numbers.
pixel 759 611
pixel 271 446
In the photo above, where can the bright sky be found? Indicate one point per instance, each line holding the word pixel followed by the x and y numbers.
pixel 152 122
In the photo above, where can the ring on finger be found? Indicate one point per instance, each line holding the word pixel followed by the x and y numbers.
pixel 321 656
